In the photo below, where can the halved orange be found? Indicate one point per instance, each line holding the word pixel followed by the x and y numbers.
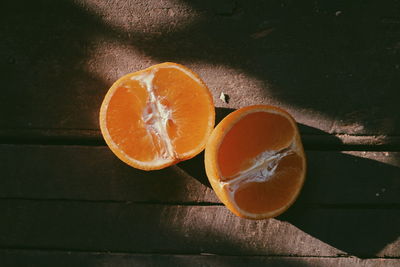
pixel 157 117
pixel 255 161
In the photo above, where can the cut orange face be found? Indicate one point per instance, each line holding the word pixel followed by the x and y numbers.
pixel 255 161
pixel 157 117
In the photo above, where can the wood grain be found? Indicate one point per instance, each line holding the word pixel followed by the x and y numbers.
pixel 94 259
pixel 312 138
pixel 66 200
pixel 94 173
pixel 175 229
pixel 334 67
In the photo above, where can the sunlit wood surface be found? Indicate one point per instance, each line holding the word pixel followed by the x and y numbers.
pixel 66 200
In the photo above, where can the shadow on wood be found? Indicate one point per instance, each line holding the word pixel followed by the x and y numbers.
pixel 96 259
pixel 195 166
pixel 361 234
pixel 335 219
pixel 312 57
pixel 338 61
pixel 47 48
pixel 313 60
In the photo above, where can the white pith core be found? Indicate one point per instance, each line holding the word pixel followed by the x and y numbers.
pixel 161 119
pixel 262 169
pixel 156 116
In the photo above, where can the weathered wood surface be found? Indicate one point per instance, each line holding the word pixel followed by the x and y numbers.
pixel 94 259
pixel 312 138
pixel 94 173
pixel 67 225
pixel 65 199
pixel 334 66
pixel 83 198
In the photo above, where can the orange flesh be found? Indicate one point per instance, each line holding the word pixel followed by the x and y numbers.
pixel 189 106
pixel 254 139
pixel 167 120
pixel 253 134
pixel 125 122
pixel 274 193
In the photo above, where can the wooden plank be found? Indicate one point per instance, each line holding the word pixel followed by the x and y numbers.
pixel 174 229
pixel 94 173
pixel 71 258
pixel 90 173
pixel 335 67
pixel 312 138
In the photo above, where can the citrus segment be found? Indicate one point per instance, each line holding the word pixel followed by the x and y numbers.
pixel 235 155
pixel 157 117
pixel 183 132
pixel 255 161
pixel 255 197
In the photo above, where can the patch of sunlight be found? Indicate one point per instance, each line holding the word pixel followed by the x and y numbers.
pixel 244 90
pixel 309 117
pixel 147 17
pixel 211 227
pixel 380 156
pixel 390 250
pixel 109 60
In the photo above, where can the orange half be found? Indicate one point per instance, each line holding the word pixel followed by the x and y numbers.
pixel 157 117
pixel 255 161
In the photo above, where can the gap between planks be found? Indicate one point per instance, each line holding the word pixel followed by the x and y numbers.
pixel 316 142
pixel 165 253
pixel 197 230
pixel 344 206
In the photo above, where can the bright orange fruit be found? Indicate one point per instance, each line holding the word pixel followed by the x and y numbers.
pixel 157 117
pixel 255 161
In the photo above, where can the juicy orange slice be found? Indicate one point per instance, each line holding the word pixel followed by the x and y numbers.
pixel 157 117
pixel 255 161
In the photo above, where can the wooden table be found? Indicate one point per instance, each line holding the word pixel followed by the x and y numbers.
pixel 66 200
